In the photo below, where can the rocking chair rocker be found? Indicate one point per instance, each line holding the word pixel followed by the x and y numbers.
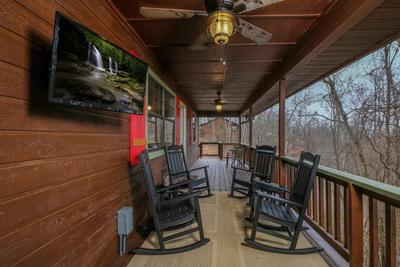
pixel 280 210
pixel 171 214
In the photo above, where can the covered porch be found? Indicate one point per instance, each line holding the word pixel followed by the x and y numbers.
pixel 65 171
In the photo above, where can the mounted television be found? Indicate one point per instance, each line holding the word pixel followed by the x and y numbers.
pixel 89 71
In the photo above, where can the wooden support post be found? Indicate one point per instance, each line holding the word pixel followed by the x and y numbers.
pixel 355 228
pixel 250 127
pixel 240 130
pixel 282 134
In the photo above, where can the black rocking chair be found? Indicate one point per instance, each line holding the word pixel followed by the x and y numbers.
pixel 170 214
pixel 280 210
pixel 231 154
pixel 238 157
pixel 263 169
pixel 177 170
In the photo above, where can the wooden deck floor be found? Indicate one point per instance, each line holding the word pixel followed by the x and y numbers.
pixel 220 176
pixel 224 224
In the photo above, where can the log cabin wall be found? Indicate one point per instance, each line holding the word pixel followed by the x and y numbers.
pixel 63 171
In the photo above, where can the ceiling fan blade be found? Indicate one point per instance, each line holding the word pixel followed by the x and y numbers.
pixel 166 13
pixel 253 33
pixel 211 5
pixel 201 42
pixel 242 6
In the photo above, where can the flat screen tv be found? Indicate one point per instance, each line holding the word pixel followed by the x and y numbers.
pixel 89 71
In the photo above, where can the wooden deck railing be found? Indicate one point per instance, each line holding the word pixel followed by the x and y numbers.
pixel 341 204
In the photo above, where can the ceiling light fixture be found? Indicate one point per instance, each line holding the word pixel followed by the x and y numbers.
pixel 218 102
pixel 221 26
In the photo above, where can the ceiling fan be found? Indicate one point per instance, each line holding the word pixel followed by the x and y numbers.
pixel 222 19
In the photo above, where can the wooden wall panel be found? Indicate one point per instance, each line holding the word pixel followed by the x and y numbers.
pixel 63 171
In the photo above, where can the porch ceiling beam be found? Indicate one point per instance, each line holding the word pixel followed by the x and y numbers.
pixel 227 61
pixel 332 24
pixel 226 113
pixel 261 16
pixel 213 45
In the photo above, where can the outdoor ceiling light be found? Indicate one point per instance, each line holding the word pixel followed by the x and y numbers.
pixel 221 26
pixel 149 108
pixel 218 102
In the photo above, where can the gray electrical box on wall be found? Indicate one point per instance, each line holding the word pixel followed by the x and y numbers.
pixel 125 220
pixel 125 226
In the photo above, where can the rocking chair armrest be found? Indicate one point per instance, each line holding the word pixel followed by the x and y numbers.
pixel 173 186
pixel 279 199
pixel 272 187
pixel 199 168
pixel 179 173
pixel 179 198
pixel 243 169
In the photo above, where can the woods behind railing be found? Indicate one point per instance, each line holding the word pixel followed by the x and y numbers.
pixel 355 215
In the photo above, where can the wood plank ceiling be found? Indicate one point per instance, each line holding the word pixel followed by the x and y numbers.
pixel 199 74
pixel 311 38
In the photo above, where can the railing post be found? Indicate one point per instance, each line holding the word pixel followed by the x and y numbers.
pixel 220 150
pixel 282 126
pixel 355 226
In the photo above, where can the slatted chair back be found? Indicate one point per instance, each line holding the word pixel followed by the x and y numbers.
pixel 176 162
pixel 239 156
pixel 149 180
pixel 264 162
pixel 304 178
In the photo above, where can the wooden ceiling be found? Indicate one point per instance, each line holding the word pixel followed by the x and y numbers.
pixel 251 69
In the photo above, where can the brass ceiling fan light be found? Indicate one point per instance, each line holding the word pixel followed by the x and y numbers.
pixel 221 26
pixel 222 20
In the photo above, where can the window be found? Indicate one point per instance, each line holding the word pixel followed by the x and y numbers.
pixel 161 118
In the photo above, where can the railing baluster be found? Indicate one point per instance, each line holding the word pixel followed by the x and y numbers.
pixel 373 233
pixel 321 201
pixel 345 216
pixel 315 211
pixel 309 210
pixel 328 206
pixel 337 213
pixel 356 226
pixel 390 232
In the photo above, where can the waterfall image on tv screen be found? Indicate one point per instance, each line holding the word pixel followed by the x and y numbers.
pixel 89 71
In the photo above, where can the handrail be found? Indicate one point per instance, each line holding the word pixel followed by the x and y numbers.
pixel 387 190
pixel 380 188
